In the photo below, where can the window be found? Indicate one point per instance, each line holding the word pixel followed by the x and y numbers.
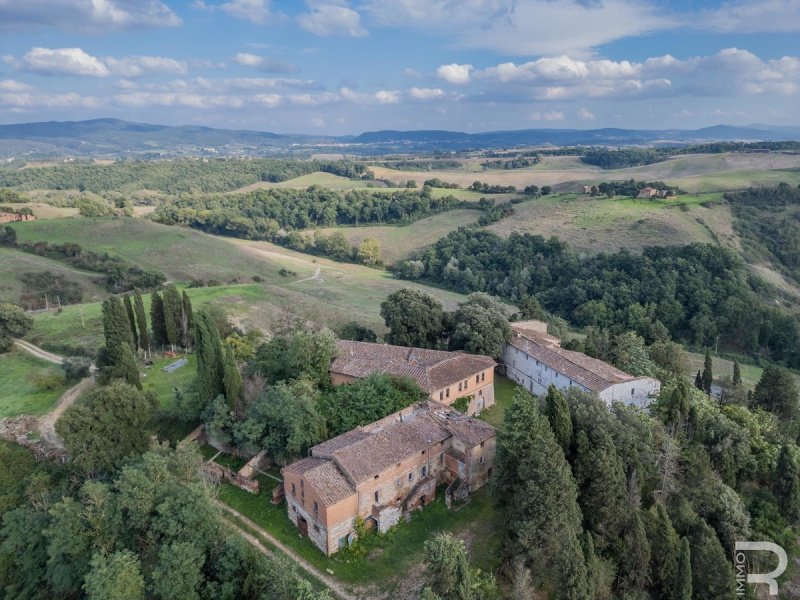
pixel 633 391
pixel 423 451
pixel 376 495
pixel 294 490
pixel 316 507
pixel 482 444
pixel 483 376
pixel 481 461
pixel 410 476
pixel 398 482
pixel 424 471
pixel 441 458
pixel 448 392
pixel 376 476
pixel 441 395
pixel 466 383
pixel 459 386
pixel 477 378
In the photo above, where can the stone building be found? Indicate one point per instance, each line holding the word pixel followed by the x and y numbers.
pixel 536 360
pixel 10 217
pixel 444 376
pixel 381 471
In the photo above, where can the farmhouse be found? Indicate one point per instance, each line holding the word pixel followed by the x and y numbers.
pixel 381 471
pixel 445 376
pixel 536 360
pixel 10 217
pixel 648 192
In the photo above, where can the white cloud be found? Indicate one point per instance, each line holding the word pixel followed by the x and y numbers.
pixel 750 17
pixel 257 11
pixel 31 100
pixel 426 93
pixel 584 114
pixel 332 18
pixel 9 85
pixel 455 73
pixel 262 63
pixel 387 97
pixel 86 15
pixel 550 116
pixel 318 122
pixel 136 66
pixel 409 72
pixel 63 61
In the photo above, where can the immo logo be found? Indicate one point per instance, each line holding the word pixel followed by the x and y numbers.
pixel 743 577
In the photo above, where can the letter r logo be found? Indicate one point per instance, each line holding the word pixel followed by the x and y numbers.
pixel 768 578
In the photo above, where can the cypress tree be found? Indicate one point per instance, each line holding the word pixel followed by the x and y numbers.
pixel 141 321
pixel 683 574
pixel 210 361
pixel 187 320
pixel 173 315
pixel 535 491
pixel 787 484
pixel 127 369
pixel 698 381
pixel 232 379
pixel 116 329
pixel 126 300
pixel 157 319
pixel 557 412
pixel 707 376
pixel 666 545
pixel 737 374
pixel 448 567
pixel 635 558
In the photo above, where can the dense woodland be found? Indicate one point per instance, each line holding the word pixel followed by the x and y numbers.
pixel 171 176
pixel 633 157
pixel 695 292
pixel 263 214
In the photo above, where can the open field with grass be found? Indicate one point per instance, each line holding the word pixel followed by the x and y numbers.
pixel 326 180
pixel 722 367
pixel 163 384
pixel 599 224
pixel 692 172
pixel 19 392
pixel 398 241
pixel 14 263
pixel 48 211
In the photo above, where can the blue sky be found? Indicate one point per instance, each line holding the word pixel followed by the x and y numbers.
pixel 346 66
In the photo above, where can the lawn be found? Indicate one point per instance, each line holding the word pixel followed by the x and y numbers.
pixel 391 555
pixel 722 366
pixel 326 180
pixel 503 396
pixel 399 241
pixel 164 384
pixel 20 395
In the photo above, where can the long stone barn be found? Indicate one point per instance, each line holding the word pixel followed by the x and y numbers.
pixel 536 360
pixel 380 471
pixel 444 376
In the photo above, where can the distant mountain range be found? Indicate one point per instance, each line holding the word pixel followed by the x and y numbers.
pixel 114 138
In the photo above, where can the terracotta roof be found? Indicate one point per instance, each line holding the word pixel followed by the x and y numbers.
pixel 323 475
pixel 589 372
pixel 431 369
pixel 377 448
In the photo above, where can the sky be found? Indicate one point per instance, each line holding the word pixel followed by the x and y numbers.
pixel 348 66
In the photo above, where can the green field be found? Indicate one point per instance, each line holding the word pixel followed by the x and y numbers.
pixel 326 180
pixel 14 263
pixel 599 224
pixel 398 241
pixel 163 384
pixel 19 394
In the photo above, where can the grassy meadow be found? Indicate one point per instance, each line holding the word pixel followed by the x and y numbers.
pixel 21 391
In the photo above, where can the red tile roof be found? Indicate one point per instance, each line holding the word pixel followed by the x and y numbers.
pixel 431 369
pixel 324 477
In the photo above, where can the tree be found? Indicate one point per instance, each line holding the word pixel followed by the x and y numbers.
pixel 666 547
pixel 480 326
pixel 530 308
pixel 187 321
pixel 698 381
pixel 179 575
pixel 210 358
pixel 107 426
pixel 707 376
pixel 115 577
pixel 683 573
pixel 76 367
pixel 534 490
pixel 557 411
pixel 369 251
pixel 299 355
pixel 116 329
pixel 737 374
pixel 173 315
pixel 232 379
pixel 126 301
pixel 414 318
pixel 448 567
pixel 777 393
pixel 14 323
pixel 630 354
pixel 357 332
pixel 141 321
pixel 670 358
pixel 158 319
pixel 787 483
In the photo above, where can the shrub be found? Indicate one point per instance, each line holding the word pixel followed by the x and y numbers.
pixel 76 367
